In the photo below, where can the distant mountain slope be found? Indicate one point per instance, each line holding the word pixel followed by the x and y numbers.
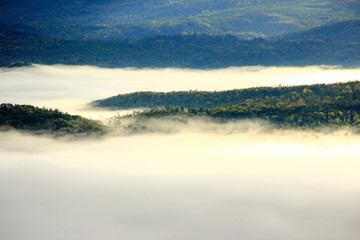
pixel 111 19
pixel 347 31
pixel 184 51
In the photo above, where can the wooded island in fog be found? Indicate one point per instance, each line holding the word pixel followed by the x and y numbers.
pixel 45 121
pixel 307 107
pixel 256 159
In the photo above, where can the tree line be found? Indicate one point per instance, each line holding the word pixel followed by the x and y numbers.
pixel 183 51
pixel 308 106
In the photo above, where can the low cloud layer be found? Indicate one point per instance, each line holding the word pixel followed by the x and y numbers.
pixel 200 185
pixel 239 180
pixel 68 87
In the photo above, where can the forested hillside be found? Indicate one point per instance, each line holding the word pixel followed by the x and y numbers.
pixel 184 51
pixel 308 94
pixel 135 19
pixel 346 32
pixel 310 106
pixel 184 34
pixel 46 121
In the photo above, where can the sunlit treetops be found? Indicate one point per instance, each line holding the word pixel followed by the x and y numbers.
pixel 45 121
pixel 259 96
pixel 308 106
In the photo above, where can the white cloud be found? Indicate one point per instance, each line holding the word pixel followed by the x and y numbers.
pixel 208 181
pixel 205 185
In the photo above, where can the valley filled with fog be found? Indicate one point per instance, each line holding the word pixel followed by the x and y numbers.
pixel 187 180
pixel 68 88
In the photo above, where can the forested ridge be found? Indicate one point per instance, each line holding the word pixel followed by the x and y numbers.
pixel 345 32
pixel 306 94
pixel 288 107
pixel 46 121
pixel 183 34
pixel 183 51
pixel 308 106
pixel 136 19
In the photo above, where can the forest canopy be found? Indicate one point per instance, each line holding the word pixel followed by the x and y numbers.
pixel 307 106
pixel 182 51
pixel 46 121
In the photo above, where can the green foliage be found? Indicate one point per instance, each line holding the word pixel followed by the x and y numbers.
pixel 308 106
pixel 184 51
pixel 49 121
pixel 346 32
pixel 251 97
pixel 136 19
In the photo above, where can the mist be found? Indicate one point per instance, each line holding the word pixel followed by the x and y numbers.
pixel 192 179
pixel 68 88
pixel 201 185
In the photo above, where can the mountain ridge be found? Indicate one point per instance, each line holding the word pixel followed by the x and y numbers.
pixel 182 51
pixel 346 31
pixel 109 19
pixel 316 106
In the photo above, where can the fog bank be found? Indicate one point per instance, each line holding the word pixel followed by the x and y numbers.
pixel 204 185
pixel 205 181
pixel 68 87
